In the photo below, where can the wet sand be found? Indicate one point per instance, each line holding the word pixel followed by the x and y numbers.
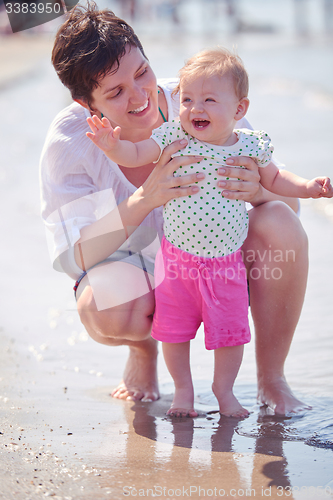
pixel 62 435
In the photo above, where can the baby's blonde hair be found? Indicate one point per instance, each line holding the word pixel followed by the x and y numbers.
pixel 216 62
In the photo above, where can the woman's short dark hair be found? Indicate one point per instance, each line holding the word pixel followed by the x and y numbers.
pixel 87 45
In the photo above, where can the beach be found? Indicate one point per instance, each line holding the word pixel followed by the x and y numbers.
pixel 61 434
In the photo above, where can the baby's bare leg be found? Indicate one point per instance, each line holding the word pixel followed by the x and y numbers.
pixel 177 359
pixel 227 364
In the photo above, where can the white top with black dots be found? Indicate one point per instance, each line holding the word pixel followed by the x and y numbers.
pixel 206 223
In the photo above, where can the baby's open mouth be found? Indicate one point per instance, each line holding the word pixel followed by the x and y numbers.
pixel 200 124
pixel 142 108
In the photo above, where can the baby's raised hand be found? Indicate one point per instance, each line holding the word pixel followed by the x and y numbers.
pixel 102 134
pixel 320 187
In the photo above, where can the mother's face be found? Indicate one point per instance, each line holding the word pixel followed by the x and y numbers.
pixel 128 97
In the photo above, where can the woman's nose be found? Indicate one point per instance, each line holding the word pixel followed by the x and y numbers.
pixel 138 94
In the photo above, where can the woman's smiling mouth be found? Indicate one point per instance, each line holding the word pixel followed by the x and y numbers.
pixel 142 108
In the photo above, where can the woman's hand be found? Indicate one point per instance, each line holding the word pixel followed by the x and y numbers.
pixel 243 183
pixel 161 186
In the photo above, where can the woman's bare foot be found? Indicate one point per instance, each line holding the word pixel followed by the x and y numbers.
pixel 277 395
pixel 229 404
pixel 182 404
pixel 140 374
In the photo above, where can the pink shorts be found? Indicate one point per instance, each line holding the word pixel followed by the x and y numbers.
pixel 198 289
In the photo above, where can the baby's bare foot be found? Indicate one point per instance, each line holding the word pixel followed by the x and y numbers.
pixel 182 404
pixel 234 412
pixel 182 412
pixel 229 404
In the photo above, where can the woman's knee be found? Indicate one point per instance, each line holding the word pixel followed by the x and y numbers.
pixel 274 225
pixel 127 321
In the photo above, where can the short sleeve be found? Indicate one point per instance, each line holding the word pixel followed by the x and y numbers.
pixel 159 135
pixel 265 149
pixel 167 133
pixel 256 144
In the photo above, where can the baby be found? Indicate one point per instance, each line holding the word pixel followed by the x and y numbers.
pixel 199 269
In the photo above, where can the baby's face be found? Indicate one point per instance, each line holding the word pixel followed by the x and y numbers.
pixel 208 109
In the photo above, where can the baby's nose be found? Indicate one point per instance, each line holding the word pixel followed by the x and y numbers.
pixel 197 107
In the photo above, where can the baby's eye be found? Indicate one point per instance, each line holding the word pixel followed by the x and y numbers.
pixel 210 99
pixel 186 99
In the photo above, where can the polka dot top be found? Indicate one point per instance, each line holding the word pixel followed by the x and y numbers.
pixel 206 223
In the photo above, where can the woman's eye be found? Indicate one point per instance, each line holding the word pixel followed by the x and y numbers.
pixel 142 72
pixel 112 96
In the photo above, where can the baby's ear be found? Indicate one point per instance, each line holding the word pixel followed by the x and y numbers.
pixel 242 108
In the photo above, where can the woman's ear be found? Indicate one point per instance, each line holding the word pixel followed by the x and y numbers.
pixel 83 103
pixel 242 108
pixel 86 105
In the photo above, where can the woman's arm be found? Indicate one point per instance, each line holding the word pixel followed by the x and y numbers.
pixel 103 237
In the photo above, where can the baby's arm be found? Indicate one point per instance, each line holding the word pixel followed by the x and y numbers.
pixel 286 183
pixel 125 153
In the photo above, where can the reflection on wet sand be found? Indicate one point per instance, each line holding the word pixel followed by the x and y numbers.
pixel 270 442
pixel 199 457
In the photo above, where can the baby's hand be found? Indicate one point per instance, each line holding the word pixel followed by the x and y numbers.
pixel 102 134
pixel 320 187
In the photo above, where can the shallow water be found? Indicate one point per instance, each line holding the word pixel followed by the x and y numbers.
pixel 313 427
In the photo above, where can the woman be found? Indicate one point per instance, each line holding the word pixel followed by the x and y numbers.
pixel 106 219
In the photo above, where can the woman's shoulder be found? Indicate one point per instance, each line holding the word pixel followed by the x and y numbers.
pixel 244 123
pixel 69 155
pixel 70 123
pixel 168 85
pixel 66 139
